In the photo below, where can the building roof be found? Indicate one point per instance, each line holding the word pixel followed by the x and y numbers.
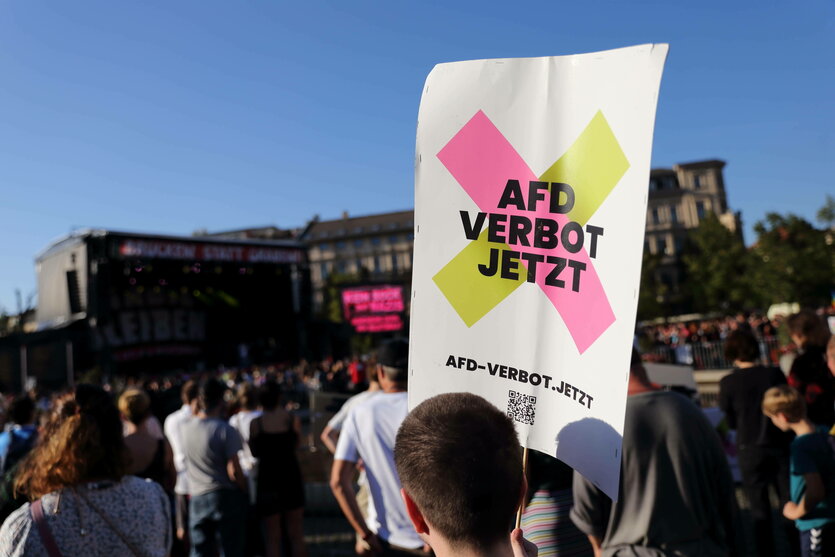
pixel 254 233
pixel 79 236
pixel 710 163
pixel 347 227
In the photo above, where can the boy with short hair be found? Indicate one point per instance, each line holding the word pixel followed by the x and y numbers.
pixel 460 464
pixel 812 471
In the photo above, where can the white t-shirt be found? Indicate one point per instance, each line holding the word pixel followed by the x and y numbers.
pixel 369 432
pixel 173 431
pixel 241 421
pixel 338 419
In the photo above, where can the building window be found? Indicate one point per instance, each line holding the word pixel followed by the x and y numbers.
pixel 323 270
pixel 698 181
pixel 393 240
pixel 700 209
pixel 653 185
pixel 358 243
pixel 376 240
pixel 324 246
pixel 393 262
pixel 655 218
pixel 668 246
pixel 673 214
pixel 377 264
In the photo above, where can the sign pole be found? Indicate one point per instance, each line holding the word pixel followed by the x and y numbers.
pixel 525 472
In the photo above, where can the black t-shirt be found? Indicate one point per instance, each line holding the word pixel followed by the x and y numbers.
pixel 740 398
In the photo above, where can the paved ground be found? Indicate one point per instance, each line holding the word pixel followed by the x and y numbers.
pixel 328 536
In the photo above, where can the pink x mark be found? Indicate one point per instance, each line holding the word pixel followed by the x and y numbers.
pixel 481 160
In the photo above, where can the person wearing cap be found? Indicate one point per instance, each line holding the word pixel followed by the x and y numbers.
pixel 369 433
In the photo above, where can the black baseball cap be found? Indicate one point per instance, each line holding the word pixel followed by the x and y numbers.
pixel 394 353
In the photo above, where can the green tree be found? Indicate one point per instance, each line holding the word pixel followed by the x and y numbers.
pixel 333 299
pixel 826 214
pixel 792 261
pixel 716 265
pixel 652 291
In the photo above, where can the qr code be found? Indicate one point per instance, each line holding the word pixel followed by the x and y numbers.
pixel 521 408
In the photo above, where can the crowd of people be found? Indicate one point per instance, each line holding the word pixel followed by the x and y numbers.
pixel 700 342
pixel 209 466
pixel 709 330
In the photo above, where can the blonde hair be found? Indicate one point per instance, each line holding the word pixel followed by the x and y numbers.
pixel 785 400
pixel 134 404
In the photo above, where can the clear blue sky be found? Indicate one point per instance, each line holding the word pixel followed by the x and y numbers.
pixel 166 117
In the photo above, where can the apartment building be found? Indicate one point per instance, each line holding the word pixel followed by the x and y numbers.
pixel 679 199
pixel 372 248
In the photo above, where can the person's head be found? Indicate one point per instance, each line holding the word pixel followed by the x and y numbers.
pixel 22 410
pixel 830 354
pixel 269 394
pixel 393 363
pixel 135 405
pixel 807 329
pixel 741 346
pixel 784 405
pixel 460 464
pixel 637 371
pixel 247 396
pixel 189 392
pixel 210 395
pixel 81 442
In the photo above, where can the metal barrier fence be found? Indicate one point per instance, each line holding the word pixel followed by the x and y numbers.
pixel 710 355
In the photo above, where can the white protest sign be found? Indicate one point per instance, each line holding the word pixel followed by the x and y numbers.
pixel 531 188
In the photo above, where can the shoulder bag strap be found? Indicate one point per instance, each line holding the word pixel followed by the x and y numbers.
pixel 36 509
pixel 130 545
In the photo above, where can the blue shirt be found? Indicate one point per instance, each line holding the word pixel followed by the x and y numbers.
pixel 18 437
pixel 812 453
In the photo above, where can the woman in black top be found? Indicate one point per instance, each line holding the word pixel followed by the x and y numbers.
pixel 762 449
pixel 273 440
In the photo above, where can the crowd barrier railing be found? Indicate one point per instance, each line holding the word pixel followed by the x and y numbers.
pixel 710 355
